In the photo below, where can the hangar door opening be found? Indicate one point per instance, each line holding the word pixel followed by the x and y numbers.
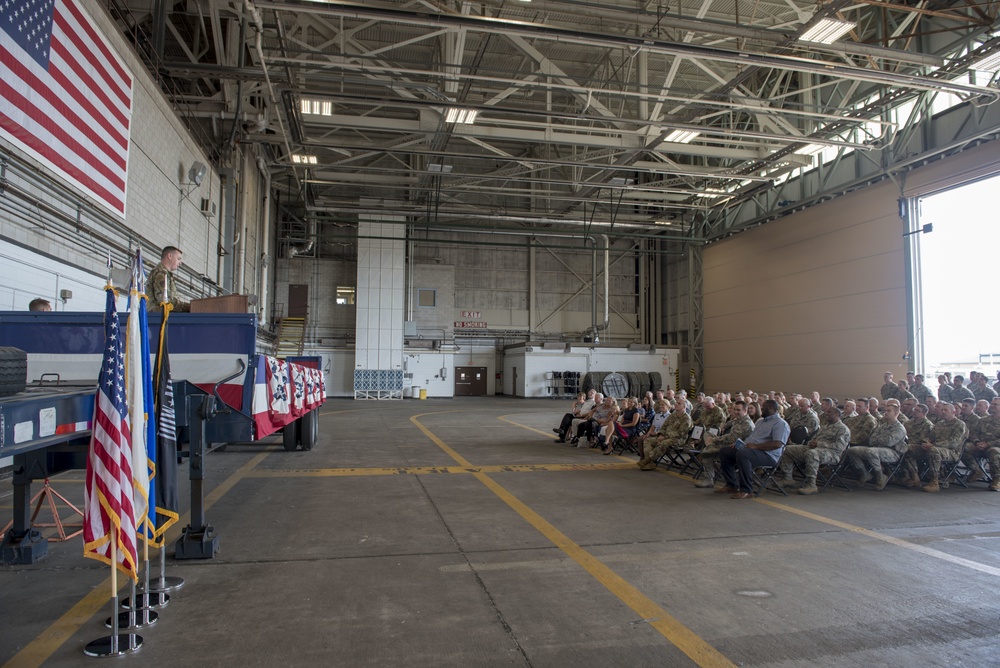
pixel 956 322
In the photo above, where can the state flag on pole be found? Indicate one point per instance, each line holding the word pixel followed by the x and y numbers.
pixel 135 388
pixel 66 96
pixel 108 513
pixel 166 439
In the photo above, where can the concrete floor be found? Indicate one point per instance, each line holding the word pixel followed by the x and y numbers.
pixel 456 533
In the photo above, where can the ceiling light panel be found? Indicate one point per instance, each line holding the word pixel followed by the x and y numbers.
pixel 827 31
pixel 681 136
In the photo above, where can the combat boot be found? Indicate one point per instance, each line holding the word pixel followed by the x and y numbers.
pixel 864 477
pixel 707 481
pixel 975 476
pixel 643 461
pixel 808 487
pixel 932 486
pixel 881 480
pixel 995 485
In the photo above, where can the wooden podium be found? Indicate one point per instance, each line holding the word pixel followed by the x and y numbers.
pixel 224 304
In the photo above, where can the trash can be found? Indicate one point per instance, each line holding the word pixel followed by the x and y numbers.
pixel 415 393
pixel 423 393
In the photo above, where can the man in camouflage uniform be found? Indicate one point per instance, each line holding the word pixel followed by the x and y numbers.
pixel 889 388
pixel 738 426
pixel 919 428
pixel 861 423
pixel 944 445
pixel 959 391
pixel 982 408
pixel 825 404
pixel 984 443
pixel 825 448
pixel 873 408
pixel 711 415
pixel 967 413
pixel 919 390
pixel 887 443
pixel 944 388
pixel 673 434
pixel 160 286
pixel 803 416
pixel 981 391
pixel 932 413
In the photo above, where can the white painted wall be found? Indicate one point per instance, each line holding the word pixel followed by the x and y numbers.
pixel 25 275
pixel 532 366
pixel 433 371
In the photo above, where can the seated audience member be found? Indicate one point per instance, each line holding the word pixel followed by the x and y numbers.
pixel 945 443
pixel 932 413
pixel 906 407
pixel 890 390
pixel 661 411
pixel 628 421
pixel 959 391
pixel 738 426
pixel 982 408
pixel 696 406
pixel 944 388
pixel 919 390
pixel 919 428
pixel 983 440
pixel 996 385
pixel 753 411
pixel 823 449
pixel 712 416
pixel 904 391
pixel 873 408
pixel 581 427
pixel 967 412
pixel 673 434
pixel 803 421
pixel 584 403
pixel 602 422
pixel 861 423
pixel 982 391
pixel 825 404
pixel 682 398
pixel 887 443
pixel 763 447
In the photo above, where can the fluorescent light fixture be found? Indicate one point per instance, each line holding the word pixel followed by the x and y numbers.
pixel 665 222
pixel 990 63
pixel 318 107
pixel 303 159
pixel 681 136
pixel 439 168
pixel 811 149
pixel 827 31
pixel 461 116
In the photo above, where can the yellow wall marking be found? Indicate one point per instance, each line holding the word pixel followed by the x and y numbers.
pixel 679 635
pixel 49 640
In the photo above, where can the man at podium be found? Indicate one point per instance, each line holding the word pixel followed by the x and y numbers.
pixel 160 285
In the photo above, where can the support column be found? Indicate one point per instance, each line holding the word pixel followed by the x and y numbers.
pixel 378 350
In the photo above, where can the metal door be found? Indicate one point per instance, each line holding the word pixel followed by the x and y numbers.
pixel 470 381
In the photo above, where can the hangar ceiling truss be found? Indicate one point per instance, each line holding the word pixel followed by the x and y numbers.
pixel 632 118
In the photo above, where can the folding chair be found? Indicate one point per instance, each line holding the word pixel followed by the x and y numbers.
pixel 763 478
pixel 622 442
pixel 835 475
pixel 694 463
pixel 894 469
pixel 955 471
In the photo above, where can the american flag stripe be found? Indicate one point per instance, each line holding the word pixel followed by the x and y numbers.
pixel 67 100
pixel 28 86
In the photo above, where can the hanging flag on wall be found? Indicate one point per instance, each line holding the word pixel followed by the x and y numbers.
pixel 108 513
pixel 66 96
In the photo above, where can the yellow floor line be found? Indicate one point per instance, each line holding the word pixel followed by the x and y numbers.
pixel 666 624
pixel 898 542
pixel 430 470
pixel 51 639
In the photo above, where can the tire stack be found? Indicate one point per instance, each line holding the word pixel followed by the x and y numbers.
pixel 639 382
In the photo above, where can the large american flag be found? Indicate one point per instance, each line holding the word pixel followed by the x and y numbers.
pixel 108 513
pixel 65 96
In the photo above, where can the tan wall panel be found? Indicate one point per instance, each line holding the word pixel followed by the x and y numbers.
pixel 816 300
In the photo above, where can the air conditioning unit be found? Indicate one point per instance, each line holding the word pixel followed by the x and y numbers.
pixel 207 206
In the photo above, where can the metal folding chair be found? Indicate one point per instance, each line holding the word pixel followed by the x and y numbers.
pixel 834 476
pixel 763 479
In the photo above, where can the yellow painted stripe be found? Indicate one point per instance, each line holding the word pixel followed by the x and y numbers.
pixel 48 641
pixel 668 626
pixel 429 470
pixel 506 418
pixel 898 542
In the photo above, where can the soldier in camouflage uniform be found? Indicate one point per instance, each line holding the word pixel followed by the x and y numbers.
pixel 889 388
pixel 944 388
pixel 825 404
pixel 825 448
pixel 984 443
pixel 981 391
pixel 160 286
pixel 944 445
pixel 887 443
pixel 737 426
pixel 673 434
pixel 967 413
pixel 920 391
pixel 959 391
pixel 861 423
pixel 932 413
pixel 711 416
pixel 803 416
pixel 919 428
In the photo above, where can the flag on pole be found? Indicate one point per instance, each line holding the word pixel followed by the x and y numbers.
pixel 67 96
pixel 135 388
pixel 166 439
pixel 108 513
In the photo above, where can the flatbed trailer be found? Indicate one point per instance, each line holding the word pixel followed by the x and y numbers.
pixel 220 393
